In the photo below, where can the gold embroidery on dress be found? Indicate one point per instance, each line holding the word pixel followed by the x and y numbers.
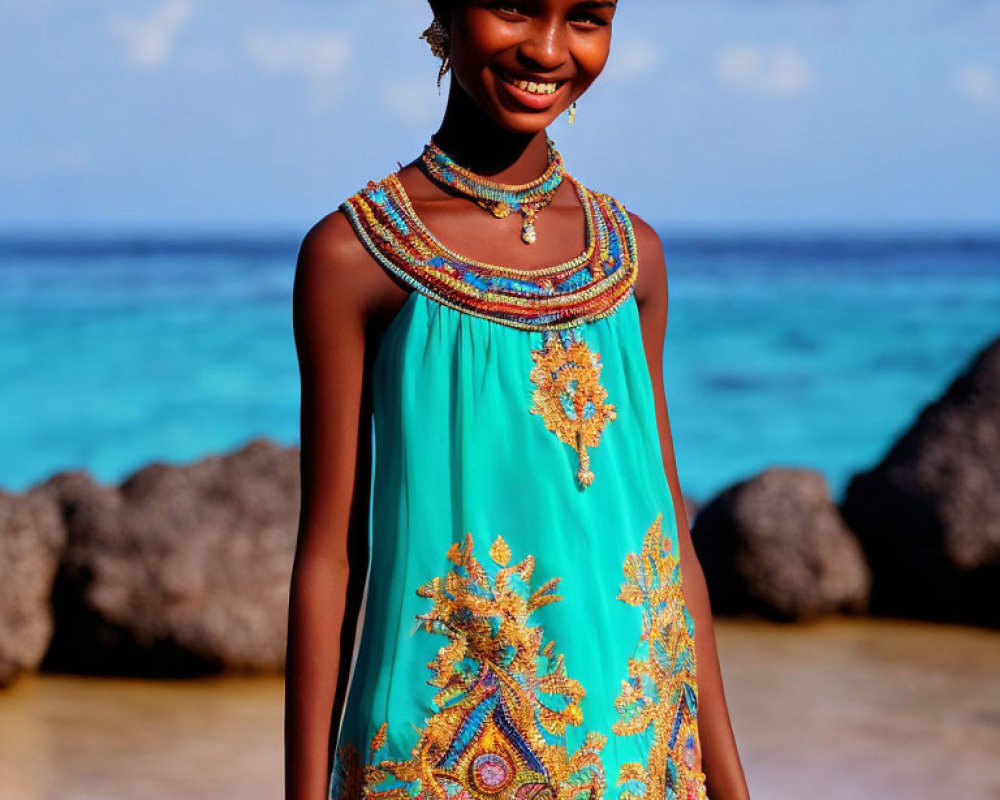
pixel 660 696
pixel 504 699
pixel 569 395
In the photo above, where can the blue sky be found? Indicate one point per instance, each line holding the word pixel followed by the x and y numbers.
pixel 261 115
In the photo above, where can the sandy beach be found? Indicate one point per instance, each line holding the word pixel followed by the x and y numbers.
pixel 839 710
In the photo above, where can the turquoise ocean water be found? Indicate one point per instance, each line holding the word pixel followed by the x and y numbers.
pixel 805 351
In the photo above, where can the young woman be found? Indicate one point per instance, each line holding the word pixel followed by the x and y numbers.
pixel 526 633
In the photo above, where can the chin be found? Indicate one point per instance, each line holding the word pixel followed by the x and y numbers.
pixel 518 120
pixel 524 123
pixel 510 115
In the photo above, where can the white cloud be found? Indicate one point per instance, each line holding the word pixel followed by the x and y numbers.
pixel 632 60
pixel 314 55
pixel 148 41
pixel 781 70
pixel 317 58
pixel 979 84
pixel 415 101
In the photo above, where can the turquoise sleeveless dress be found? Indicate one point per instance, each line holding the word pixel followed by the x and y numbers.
pixel 524 633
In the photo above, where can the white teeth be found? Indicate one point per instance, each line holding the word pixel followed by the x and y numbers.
pixel 532 86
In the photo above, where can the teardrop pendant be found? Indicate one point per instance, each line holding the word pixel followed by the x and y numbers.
pixel 499 199
pixel 528 235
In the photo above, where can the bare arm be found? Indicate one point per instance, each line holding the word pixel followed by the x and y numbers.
pixel 720 759
pixel 330 310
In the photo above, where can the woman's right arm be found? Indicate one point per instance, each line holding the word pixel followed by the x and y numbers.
pixel 331 302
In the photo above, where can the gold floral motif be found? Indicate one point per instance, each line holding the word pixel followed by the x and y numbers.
pixel 504 699
pixel 348 774
pixel 660 697
pixel 569 395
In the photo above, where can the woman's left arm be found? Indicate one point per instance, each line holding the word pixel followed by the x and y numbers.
pixel 724 777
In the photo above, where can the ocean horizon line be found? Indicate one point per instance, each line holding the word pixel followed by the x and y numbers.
pixel 798 241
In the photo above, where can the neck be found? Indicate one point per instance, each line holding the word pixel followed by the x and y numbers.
pixel 476 142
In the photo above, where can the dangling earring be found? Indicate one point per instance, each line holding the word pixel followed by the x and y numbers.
pixel 437 37
pixel 572 112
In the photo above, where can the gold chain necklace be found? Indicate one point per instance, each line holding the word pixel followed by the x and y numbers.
pixel 500 199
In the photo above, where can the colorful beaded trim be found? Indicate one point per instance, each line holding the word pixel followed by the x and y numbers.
pixel 588 287
pixel 499 199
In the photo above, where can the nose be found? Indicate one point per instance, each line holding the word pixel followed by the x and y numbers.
pixel 545 47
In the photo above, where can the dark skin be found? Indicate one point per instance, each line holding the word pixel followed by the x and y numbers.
pixel 344 301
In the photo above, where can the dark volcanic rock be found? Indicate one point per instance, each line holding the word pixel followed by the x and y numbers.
pixel 928 516
pixel 31 538
pixel 183 570
pixel 775 545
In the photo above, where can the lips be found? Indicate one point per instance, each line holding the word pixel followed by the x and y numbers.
pixel 529 91
pixel 528 85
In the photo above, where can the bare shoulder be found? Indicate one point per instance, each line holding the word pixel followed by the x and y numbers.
pixel 651 279
pixel 332 260
pixel 336 275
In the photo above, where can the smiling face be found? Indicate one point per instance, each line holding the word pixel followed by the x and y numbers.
pixel 524 61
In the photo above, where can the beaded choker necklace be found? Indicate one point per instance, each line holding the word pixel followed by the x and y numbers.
pixel 500 199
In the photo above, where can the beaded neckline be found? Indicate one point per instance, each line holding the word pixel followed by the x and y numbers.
pixel 555 297
pixel 522 272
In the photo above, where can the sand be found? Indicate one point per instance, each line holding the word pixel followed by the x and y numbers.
pixel 844 709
